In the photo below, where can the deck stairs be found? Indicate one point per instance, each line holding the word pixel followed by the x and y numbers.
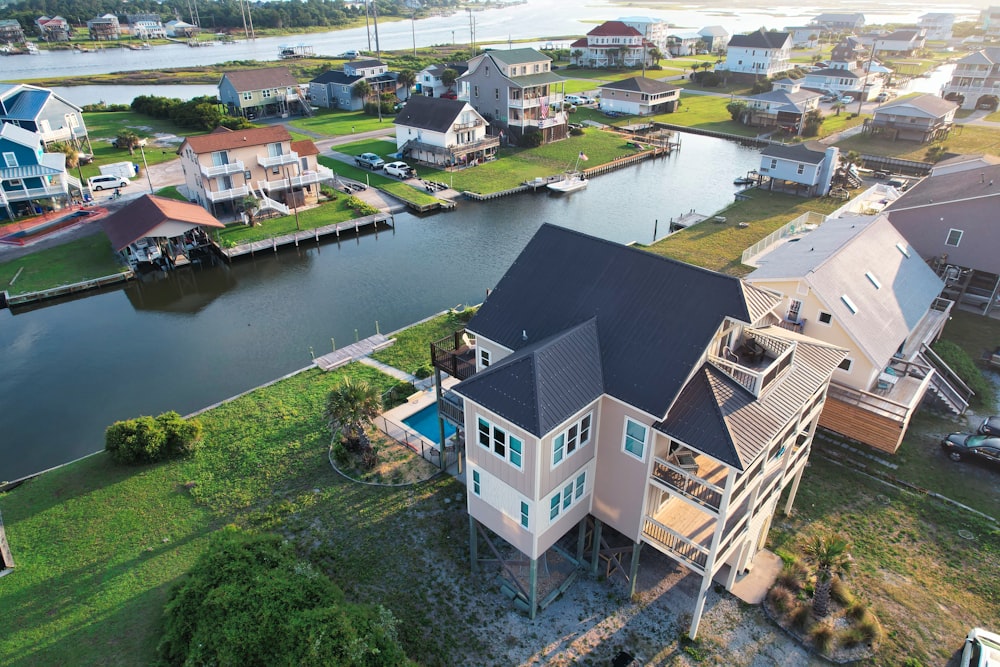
pixel 945 384
pixel 268 204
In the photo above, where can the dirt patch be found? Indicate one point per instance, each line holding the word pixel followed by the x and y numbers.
pixel 397 465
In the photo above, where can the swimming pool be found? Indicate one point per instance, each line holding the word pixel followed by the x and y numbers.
pixel 425 422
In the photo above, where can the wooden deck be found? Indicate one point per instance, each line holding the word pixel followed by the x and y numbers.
pixel 352 352
pixel 295 238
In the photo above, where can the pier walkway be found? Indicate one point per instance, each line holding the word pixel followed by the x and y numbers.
pixel 352 352
pixel 275 242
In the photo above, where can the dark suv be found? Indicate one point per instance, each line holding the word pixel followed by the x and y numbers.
pixel 971 446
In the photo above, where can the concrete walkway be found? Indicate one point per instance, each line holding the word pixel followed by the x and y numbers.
pixel 402 376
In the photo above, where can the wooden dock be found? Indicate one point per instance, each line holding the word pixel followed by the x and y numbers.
pixel 64 290
pixel 315 235
pixel 353 352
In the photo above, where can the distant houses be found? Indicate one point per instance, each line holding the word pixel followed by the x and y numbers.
pixel 261 93
pixel 430 83
pixel 612 44
pixel 785 106
pixel 104 28
pixel 975 83
pixel 54 28
pixel 832 22
pixel 11 32
pixel 146 26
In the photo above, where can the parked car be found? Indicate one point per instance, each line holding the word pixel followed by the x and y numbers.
pixel 450 95
pixel 352 54
pixel 369 161
pixel 847 99
pixel 578 99
pixel 400 170
pixel 106 182
pixel 828 98
pixel 990 426
pixel 900 184
pixel 115 143
pixel 882 97
pixel 971 446
pixel 982 649
pixel 398 106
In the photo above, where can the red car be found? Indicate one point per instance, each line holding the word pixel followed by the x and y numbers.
pixel 450 95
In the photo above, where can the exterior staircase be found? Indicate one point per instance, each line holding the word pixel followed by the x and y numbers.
pixel 945 384
pixel 268 204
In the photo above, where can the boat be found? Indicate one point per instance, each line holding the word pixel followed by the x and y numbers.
pixel 743 180
pixel 570 182
pixel 289 52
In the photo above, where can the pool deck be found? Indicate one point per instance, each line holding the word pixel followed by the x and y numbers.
pixel 48 219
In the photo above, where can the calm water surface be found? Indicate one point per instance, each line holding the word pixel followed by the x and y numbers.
pixel 196 336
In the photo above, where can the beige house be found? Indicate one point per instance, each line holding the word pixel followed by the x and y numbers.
pixel 611 399
pixel 856 283
pixel 222 169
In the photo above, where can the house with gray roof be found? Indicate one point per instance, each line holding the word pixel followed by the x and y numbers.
pixel 805 169
pixel 922 118
pixel 334 89
pixel 105 27
pixel 429 78
pixel 40 110
pixel 11 31
pixel 900 42
pixel 517 92
pixel 785 106
pixel 715 37
pixel 937 26
pixel 444 133
pixel 950 218
pixel 261 93
pixel 833 22
pixel 760 53
pixel 636 398
pixel 975 83
pixel 854 282
pixel 639 96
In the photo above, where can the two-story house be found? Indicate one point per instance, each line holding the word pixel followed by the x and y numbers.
pixel 40 110
pixel 854 282
pixel 922 118
pixel 715 38
pixel 975 83
pixel 785 106
pixel 803 36
pixel 517 92
pixel 680 44
pixel 146 26
pixel 53 28
pixel 653 398
pixel 260 93
pixel 760 53
pixel 334 89
pixel 805 169
pixel 104 28
pixel 429 81
pixel 639 96
pixel 949 218
pixel 832 22
pixel 900 42
pixel 653 30
pixel 848 53
pixel 443 132
pixel 11 31
pixel 937 26
pixel 222 169
pixel 28 174
pixel 839 81
pixel 612 44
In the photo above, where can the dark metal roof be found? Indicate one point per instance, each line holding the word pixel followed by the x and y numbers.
pixel 639 84
pixel 542 385
pixel 336 76
pixel 655 316
pixel 810 152
pixel 435 114
pixel 760 40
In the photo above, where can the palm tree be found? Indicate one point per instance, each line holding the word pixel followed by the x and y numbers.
pixel 250 206
pixel 830 555
pixel 362 89
pixel 127 139
pixel 577 54
pixel 72 154
pixel 350 410
pixel 406 79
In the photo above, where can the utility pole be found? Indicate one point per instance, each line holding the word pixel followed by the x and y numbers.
pixel 368 28
pixel 868 74
pixel 294 199
pixel 144 166
pixel 378 56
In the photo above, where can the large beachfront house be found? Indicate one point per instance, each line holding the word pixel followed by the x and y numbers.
pixel 975 83
pixel 334 89
pixel 656 398
pixel 855 282
pixel 443 132
pixel 259 93
pixel 517 92
pixel 760 53
pixel 28 174
pixel 612 44
pixel 40 110
pixel 223 168
pixel 639 96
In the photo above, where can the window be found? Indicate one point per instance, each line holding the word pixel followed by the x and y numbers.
pixel 845 365
pixel 516 450
pixel 476 483
pixel 574 437
pixel 567 496
pixel 954 237
pixel 774 163
pixel 581 484
pixel 570 494
pixel 496 93
pixel 825 318
pixel 801 169
pixel 266 93
pixel 484 357
pixel 635 438
pixel 10 160
pixel 507 447
pixel 246 174
pixel 794 308
pixel 524 514
pixel 475 90
pixel 554 507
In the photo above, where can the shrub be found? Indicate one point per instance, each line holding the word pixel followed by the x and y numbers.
pixel 857 611
pixel 532 138
pixel 966 369
pixel 870 629
pixel 851 637
pixel 781 598
pixel 822 636
pixel 793 574
pixel 148 439
pixel 840 593
pixel 575 131
pixel 801 617
pixel 423 372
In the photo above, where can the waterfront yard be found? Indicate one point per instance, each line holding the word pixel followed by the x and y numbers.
pixel 104 126
pixel 86 258
pixel 963 139
pixel 327 213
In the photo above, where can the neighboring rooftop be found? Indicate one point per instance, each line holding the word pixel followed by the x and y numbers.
pixel 259 79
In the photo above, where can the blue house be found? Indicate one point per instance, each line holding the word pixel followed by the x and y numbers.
pixel 40 110
pixel 29 176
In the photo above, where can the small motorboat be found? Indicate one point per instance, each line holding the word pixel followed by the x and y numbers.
pixel 743 180
pixel 570 182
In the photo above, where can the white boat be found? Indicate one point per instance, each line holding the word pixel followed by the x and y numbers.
pixel 571 182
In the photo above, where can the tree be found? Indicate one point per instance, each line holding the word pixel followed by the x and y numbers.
pixel 577 54
pixel 72 154
pixel 350 410
pixel 810 126
pixel 406 79
pixel 362 89
pixel 736 110
pixel 250 206
pixel 448 78
pixel 656 55
pixel 127 139
pixel 830 555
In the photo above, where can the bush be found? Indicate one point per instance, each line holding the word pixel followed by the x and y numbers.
pixel 781 598
pixel 966 368
pixel 361 207
pixel 840 593
pixel 575 131
pixel 793 574
pixel 531 138
pixel 801 617
pixel 822 636
pixel 857 611
pixel 148 439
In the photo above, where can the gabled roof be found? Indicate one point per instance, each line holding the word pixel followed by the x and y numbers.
pixel 639 84
pixel 987 56
pixel 809 152
pixel 517 56
pixel 259 79
pixel 365 64
pixel 337 76
pixel 654 316
pixel 305 147
pixel 434 114
pixel 717 416
pixel 438 70
pixel 760 39
pixel 963 162
pixel 22 101
pixel 224 139
pixel 901 36
pixel 836 73
pixel 151 215
pixel 846 257
pixel 951 187
pixel 930 106
pixel 713 31
pixel 790 101
pixel 542 385
pixel 614 29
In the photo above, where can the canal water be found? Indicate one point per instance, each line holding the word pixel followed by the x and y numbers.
pixel 196 336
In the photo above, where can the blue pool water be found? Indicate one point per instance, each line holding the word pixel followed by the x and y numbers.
pixel 425 423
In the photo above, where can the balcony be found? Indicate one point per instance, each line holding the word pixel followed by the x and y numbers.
pixel 268 161
pixel 227 195
pixel 757 361
pixel 299 180
pixel 455 355
pixel 694 477
pixel 222 169
pixel 458 127
pixel 24 194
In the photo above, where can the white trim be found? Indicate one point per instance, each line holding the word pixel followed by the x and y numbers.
pixel 580 443
pixel 645 441
pixel 951 231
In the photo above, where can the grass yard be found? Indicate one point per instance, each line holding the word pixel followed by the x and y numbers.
pixel 327 213
pixel 706 112
pixel 83 259
pixel 719 246
pixel 339 123
pixel 963 139
pixel 411 352
pixel 103 127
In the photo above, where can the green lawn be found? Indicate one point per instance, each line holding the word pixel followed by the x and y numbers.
pixel 377 179
pixel 963 139
pixel 327 213
pixel 706 112
pixel 719 246
pixel 337 123
pixel 410 352
pixel 103 127
pixel 83 259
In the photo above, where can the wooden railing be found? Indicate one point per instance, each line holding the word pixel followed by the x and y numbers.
pixel 451 410
pixel 695 555
pixel 454 356
pixel 703 493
